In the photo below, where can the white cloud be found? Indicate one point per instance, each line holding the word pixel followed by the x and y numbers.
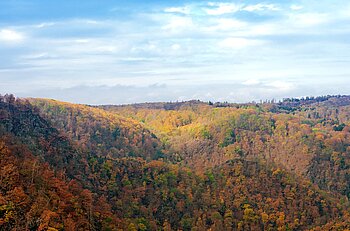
pixel 107 49
pixel 309 19
pixel 251 82
pixel 176 23
pixel 12 36
pixel 261 7
pixel 82 40
pixel 149 48
pixel 345 12
pixel 178 48
pixel 90 21
pixel 239 43
pixel 264 29
pixel 296 7
pixel 36 56
pixel 45 24
pixel 175 47
pixel 227 24
pixel 281 85
pixel 222 8
pixel 181 10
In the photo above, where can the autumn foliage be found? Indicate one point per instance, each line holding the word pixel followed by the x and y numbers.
pixel 180 166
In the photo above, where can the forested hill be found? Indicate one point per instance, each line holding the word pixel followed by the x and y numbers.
pixel 310 139
pixel 295 103
pixel 188 166
pixel 98 131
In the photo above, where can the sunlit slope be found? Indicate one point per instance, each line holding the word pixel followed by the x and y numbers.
pixel 98 131
pixel 310 138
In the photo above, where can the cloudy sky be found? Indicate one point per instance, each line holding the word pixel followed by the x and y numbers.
pixel 101 52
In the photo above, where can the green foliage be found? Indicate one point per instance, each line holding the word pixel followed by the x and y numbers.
pixel 339 127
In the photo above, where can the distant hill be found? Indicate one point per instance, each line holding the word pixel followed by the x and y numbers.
pixel 335 100
pixel 159 105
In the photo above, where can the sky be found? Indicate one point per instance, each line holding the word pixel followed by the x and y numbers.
pixel 120 52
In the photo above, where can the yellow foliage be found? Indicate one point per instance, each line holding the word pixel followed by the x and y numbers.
pixel 264 217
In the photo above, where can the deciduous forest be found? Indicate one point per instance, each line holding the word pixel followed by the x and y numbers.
pixel 188 166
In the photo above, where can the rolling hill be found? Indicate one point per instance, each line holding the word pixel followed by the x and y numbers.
pixel 180 166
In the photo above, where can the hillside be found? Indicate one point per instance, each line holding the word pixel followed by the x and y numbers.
pixel 308 137
pixel 190 167
pixel 100 132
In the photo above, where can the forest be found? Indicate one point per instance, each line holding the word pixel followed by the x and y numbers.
pixel 188 166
